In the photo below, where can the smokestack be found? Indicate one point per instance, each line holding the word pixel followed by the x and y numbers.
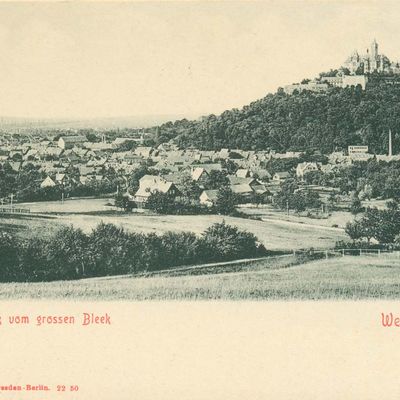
pixel 390 143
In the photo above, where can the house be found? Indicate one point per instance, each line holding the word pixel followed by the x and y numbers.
pixel 68 142
pixel 306 167
pixel 235 180
pixel 208 197
pixel 261 173
pixel 199 175
pixel 242 190
pixel 243 173
pixel 223 154
pixel 329 168
pixel 208 167
pixel 149 184
pixel 280 177
pixel 48 182
pixel 98 145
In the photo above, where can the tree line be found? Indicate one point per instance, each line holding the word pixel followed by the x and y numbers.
pixel 110 250
pixel 381 225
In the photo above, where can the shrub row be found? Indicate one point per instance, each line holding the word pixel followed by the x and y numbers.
pixel 109 250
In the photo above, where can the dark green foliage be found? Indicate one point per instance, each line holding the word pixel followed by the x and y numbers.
pixel 122 201
pixel 67 253
pixel 8 255
pixel 382 225
pixel 161 203
pixel 325 121
pixel 355 206
pixel 216 180
pixel 226 201
pixel 226 242
pixel 109 250
pixel 290 197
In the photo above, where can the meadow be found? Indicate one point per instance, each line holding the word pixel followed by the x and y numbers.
pixel 340 278
pixel 275 233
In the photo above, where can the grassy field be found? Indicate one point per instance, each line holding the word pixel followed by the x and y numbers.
pixel 69 206
pixel 28 226
pixel 351 278
pixel 273 234
pixel 339 218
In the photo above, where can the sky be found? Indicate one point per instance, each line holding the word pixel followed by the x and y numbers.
pixel 89 60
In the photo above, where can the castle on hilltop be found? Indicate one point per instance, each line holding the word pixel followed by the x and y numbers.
pixel 354 72
pixel 370 62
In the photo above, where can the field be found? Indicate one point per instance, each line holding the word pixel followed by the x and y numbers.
pixel 81 205
pixel 351 278
pixel 274 233
pixel 29 226
pixel 267 213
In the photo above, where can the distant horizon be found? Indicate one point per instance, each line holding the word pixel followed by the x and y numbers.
pixel 91 61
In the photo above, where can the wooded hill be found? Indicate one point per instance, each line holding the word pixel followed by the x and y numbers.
pixel 326 121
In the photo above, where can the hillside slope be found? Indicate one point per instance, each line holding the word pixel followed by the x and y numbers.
pixel 367 277
pixel 325 121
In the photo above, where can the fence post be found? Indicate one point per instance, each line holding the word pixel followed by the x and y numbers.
pixel 360 252
pixel 379 252
pixel 342 252
pixel 326 254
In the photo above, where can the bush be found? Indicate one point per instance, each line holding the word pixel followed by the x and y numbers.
pixel 222 242
pixel 109 250
pixel 8 255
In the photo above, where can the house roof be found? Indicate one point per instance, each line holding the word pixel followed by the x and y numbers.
pixel 242 173
pixel 209 167
pixel 211 195
pixel 241 189
pixel 148 187
pixel 236 180
pixel 197 172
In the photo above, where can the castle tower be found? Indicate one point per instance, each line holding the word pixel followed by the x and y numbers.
pixel 374 56
pixel 374 50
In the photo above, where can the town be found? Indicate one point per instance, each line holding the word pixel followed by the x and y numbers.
pixel 72 166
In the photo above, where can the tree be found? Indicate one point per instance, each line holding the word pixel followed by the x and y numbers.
pixel 127 145
pixel 355 206
pixel 8 255
pixel 122 201
pixel 189 188
pixel 67 253
pixel 226 201
pixel 92 137
pixel 137 175
pixel 332 200
pixel 225 242
pixel 161 203
pixel 354 230
pixel 216 179
pixel 108 251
